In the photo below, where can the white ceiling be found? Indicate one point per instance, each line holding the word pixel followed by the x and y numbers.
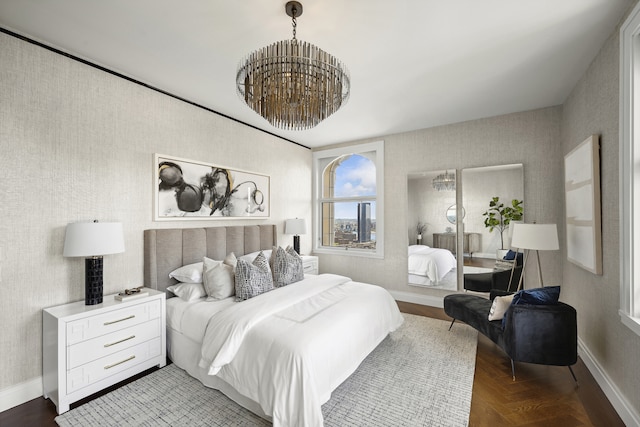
pixel 414 63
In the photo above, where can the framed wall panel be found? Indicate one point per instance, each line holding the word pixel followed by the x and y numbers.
pixel 582 203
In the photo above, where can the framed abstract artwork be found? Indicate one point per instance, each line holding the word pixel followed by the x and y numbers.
pixel 192 190
pixel 582 203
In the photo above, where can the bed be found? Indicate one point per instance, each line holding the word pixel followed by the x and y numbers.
pixel 428 266
pixel 281 353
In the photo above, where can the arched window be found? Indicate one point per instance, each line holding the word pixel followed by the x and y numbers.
pixel 348 199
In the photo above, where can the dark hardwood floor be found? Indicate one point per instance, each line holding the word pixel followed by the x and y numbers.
pixel 540 396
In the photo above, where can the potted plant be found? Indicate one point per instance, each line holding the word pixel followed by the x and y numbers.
pixel 499 216
pixel 421 228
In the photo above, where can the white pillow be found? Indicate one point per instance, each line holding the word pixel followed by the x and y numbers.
pixel 191 273
pixel 252 256
pixel 188 291
pixel 500 306
pixel 231 260
pixel 218 279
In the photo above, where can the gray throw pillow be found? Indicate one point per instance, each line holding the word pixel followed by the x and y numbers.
pixel 253 279
pixel 287 267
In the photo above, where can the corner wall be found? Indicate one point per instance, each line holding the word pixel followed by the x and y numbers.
pixel 77 144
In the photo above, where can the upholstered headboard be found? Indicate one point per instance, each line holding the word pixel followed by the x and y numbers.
pixel 170 248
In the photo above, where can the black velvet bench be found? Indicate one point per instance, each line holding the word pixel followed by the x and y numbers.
pixel 541 334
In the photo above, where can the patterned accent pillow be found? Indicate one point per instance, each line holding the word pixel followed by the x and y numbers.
pixel 253 279
pixel 287 267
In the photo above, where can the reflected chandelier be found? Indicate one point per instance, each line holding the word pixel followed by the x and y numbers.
pixel 445 182
pixel 293 84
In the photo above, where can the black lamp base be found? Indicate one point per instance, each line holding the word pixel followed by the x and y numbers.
pixel 93 281
pixel 296 244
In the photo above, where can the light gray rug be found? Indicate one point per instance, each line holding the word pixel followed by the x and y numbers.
pixel 420 375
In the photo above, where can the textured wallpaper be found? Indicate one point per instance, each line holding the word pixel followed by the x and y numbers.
pixel 592 108
pixel 531 138
pixel 77 144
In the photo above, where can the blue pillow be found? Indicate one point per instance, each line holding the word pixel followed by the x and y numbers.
pixel 510 256
pixel 537 296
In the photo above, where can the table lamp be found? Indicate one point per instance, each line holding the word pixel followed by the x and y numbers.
pixel 296 227
pixel 92 240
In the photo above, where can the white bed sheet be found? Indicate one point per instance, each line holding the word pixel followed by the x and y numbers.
pixel 312 335
pixel 433 263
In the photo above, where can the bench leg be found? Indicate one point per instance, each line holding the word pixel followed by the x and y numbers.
pixel 451 323
pixel 573 375
pixel 513 370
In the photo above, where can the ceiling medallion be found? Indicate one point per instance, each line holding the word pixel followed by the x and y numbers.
pixel 293 84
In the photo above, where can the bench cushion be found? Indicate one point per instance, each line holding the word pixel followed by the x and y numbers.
pixel 474 311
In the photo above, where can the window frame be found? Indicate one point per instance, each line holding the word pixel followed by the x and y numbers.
pixel 630 184
pixel 321 159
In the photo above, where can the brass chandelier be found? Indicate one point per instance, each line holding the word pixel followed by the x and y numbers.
pixel 293 84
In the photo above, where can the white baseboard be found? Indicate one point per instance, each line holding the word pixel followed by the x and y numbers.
pixel 430 300
pixel 20 393
pixel 628 414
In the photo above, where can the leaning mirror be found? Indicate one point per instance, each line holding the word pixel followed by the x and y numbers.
pixel 479 188
pixel 432 238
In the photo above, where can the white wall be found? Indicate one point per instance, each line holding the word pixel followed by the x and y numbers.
pixel 77 144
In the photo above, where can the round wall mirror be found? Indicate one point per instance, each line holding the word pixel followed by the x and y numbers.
pixel 451 214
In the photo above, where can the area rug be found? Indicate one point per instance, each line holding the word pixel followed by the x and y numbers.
pixel 420 375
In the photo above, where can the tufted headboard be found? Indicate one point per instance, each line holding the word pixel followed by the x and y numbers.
pixel 169 248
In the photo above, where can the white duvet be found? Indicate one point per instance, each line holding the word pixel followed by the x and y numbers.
pixel 289 348
pixel 433 263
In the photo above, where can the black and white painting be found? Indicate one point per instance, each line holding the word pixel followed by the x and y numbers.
pixel 188 189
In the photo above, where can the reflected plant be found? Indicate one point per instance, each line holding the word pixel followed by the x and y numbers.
pixel 499 216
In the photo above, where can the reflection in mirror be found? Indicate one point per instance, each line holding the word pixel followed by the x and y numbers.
pixel 431 258
pixel 452 214
pixel 479 187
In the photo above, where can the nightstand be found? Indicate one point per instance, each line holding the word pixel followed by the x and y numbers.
pixel 87 348
pixel 310 264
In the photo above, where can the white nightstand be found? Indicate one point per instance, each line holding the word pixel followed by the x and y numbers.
pixel 310 264
pixel 87 348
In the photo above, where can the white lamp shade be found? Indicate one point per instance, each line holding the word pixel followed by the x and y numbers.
pixel 542 237
pixel 295 226
pixel 87 239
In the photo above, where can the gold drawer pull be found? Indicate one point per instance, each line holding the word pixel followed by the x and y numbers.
pixel 118 342
pixel 120 362
pixel 119 320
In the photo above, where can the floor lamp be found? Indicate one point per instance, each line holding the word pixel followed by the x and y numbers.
pixel 534 237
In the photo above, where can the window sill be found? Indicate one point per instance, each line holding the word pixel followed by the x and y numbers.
pixel 347 252
pixel 632 323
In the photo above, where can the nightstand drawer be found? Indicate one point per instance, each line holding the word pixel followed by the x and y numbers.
pixel 104 345
pixel 97 370
pixel 115 320
pixel 309 267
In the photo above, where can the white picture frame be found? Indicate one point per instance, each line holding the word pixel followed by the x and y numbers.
pixel 192 190
pixel 582 205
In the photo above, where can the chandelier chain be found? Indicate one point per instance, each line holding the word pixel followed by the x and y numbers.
pixel 294 22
